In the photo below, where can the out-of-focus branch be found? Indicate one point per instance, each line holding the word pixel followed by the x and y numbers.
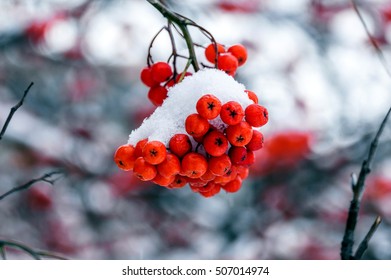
pixel 358 187
pixel 45 178
pixel 364 244
pixel 13 110
pixel 375 45
pixel 34 253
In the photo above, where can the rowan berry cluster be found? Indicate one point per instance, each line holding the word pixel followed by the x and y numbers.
pixel 227 60
pixel 207 157
pixel 160 77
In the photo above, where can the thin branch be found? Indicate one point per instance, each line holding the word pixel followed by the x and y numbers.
pixel 358 189
pixel 376 46
pixel 20 246
pixel 45 178
pixel 35 254
pixel 182 24
pixel 2 252
pixel 364 244
pixel 13 110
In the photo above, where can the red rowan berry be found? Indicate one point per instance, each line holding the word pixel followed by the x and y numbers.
pixel 194 165
pixel 157 94
pixel 154 152
pixel 196 125
pixel 210 51
pixel 170 166
pixel 139 148
pixel 227 177
pixel 208 106
pixel 256 115
pixel 252 96
pixel 215 143
pixel 125 157
pixel 215 189
pixel 233 186
pixel 144 170
pixel 231 113
pixel 239 134
pixel 250 158
pixel 196 184
pixel 240 52
pixel 220 165
pixel 180 144
pixel 208 176
pixel 207 187
pixel 163 181
pixel 161 71
pixel 146 77
pixel 178 182
pixel 237 154
pixel 256 142
pixel 242 171
pixel 228 63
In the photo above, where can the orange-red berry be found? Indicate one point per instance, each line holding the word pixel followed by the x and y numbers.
pixel 180 144
pixel 161 71
pixel 171 166
pixel 154 152
pixel 163 181
pixel 139 147
pixel 157 94
pixel 256 142
pixel 227 177
pixel 125 157
pixel 215 143
pixel 256 115
pixel 239 134
pixel 210 51
pixel 242 171
pixel 179 182
pixel 234 185
pixel 196 125
pixel 208 106
pixel 231 113
pixel 252 96
pixel 240 52
pixel 208 176
pixel 211 190
pixel 194 165
pixel 228 63
pixel 144 170
pixel 237 154
pixel 146 77
pixel 220 165
pixel 250 158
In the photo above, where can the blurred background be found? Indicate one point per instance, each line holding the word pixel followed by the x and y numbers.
pixel 311 64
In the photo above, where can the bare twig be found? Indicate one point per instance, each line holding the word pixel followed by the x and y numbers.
pixel 2 253
pixel 45 178
pixel 34 253
pixel 182 23
pixel 358 189
pixel 13 110
pixel 364 244
pixel 375 45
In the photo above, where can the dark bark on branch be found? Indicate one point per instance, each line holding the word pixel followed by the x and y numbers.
pixel 44 178
pixel 13 110
pixel 358 189
pixel 33 253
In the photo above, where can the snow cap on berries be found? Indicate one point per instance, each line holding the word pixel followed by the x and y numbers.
pixel 169 119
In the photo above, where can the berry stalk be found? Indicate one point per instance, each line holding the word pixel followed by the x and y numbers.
pixel 182 23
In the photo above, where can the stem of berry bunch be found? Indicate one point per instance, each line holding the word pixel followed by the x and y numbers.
pixel 358 187
pixel 182 24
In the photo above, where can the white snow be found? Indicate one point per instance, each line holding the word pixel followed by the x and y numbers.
pixel 169 119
